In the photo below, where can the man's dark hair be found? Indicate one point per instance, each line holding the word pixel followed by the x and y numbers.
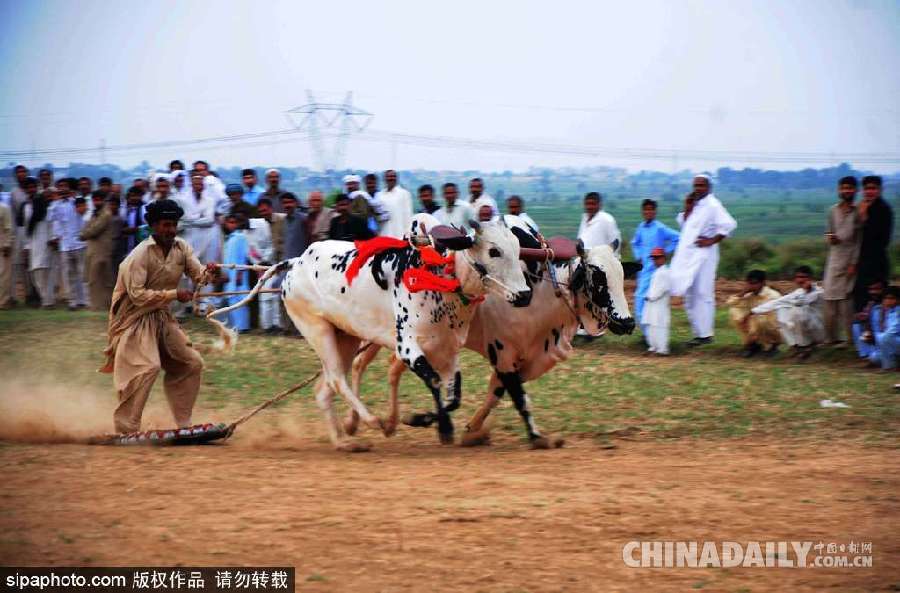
pixel 80 179
pixel 248 172
pixel 756 276
pixel 476 179
pixel 448 184
pixel 264 202
pixel 204 163
pixel 515 198
pixel 29 181
pixel 42 171
pixel 593 195
pixel 134 191
pixel 873 179
pixel 176 162
pixel 103 180
pixel 20 168
pixel 370 176
pixel 100 193
pixel 341 198
pixel 427 187
pixel 805 270
pixel 891 291
pixel 848 180
pixel 113 199
pixel 80 200
pixel 288 196
pixel 649 202
pixel 67 180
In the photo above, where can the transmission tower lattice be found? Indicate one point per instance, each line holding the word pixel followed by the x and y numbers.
pixel 329 120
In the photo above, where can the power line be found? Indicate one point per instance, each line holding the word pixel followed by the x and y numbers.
pixel 275 137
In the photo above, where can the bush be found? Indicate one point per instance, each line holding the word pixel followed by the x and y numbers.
pixel 779 261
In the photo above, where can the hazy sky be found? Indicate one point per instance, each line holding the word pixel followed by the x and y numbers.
pixel 776 77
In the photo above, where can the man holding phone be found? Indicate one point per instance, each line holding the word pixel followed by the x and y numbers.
pixel 843 238
pixel 704 224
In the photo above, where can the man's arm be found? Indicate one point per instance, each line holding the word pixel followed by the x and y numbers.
pixel 95 226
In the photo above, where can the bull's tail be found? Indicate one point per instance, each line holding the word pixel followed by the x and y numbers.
pixel 228 337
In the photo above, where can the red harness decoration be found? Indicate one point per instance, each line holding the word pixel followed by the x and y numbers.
pixel 414 279
pixel 367 249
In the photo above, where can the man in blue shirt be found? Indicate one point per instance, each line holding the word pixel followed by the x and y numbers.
pixel 252 191
pixel 649 235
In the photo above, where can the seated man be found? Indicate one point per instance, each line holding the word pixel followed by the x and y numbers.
pixel 799 313
pixel 865 320
pixel 887 331
pixel 759 332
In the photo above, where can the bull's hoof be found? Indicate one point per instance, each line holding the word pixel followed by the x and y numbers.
pixel 543 442
pixel 390 428
pixel 352 446
pixel 446 438
pixel 351 425
pixel 475 438
pixel 419 420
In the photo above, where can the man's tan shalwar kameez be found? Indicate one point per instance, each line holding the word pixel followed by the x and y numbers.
pixel 144 337
pixel 757 329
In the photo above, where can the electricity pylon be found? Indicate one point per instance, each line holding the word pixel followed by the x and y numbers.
pixel 326 120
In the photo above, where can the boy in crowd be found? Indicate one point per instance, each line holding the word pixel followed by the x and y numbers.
pixel 887 332
pixel 866 320
pixel 799 313
pixel 649 235
pixel 759 332
pixel 235 252
pixel 657 313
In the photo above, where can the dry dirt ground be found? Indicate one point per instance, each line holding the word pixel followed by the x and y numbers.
pixel 415 516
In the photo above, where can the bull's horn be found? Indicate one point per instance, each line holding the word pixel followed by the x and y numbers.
pixel 531 254
pixel 579 248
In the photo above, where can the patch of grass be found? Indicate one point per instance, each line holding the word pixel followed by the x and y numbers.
pixel 607 388
pixel 316 578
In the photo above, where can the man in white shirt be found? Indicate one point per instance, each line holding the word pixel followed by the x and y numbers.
pixel 799 313
pixel 397 201
pixel 476 190
pixel 515 205
pixel 66 225
pixel 453 213
pixel 704 224
pixel 598 227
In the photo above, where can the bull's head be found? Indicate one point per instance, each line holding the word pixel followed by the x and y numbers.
pixel 599 283
pixel 489 262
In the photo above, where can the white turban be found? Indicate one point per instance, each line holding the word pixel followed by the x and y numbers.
pixel 486 201
pixel 351 179
pixel 273 171
pixel 704 176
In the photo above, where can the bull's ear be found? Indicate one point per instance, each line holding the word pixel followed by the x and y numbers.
pixel 476 226
pixel 579 248
pixel 631 268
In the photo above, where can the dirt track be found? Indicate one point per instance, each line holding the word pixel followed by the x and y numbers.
pixel 414 516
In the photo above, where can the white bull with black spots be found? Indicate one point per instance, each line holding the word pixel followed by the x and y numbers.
pixel 522 344
pixel 425 329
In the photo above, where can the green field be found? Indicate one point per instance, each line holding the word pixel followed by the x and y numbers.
pixel 607 386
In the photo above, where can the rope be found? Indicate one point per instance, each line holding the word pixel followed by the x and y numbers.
pixel 277 398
